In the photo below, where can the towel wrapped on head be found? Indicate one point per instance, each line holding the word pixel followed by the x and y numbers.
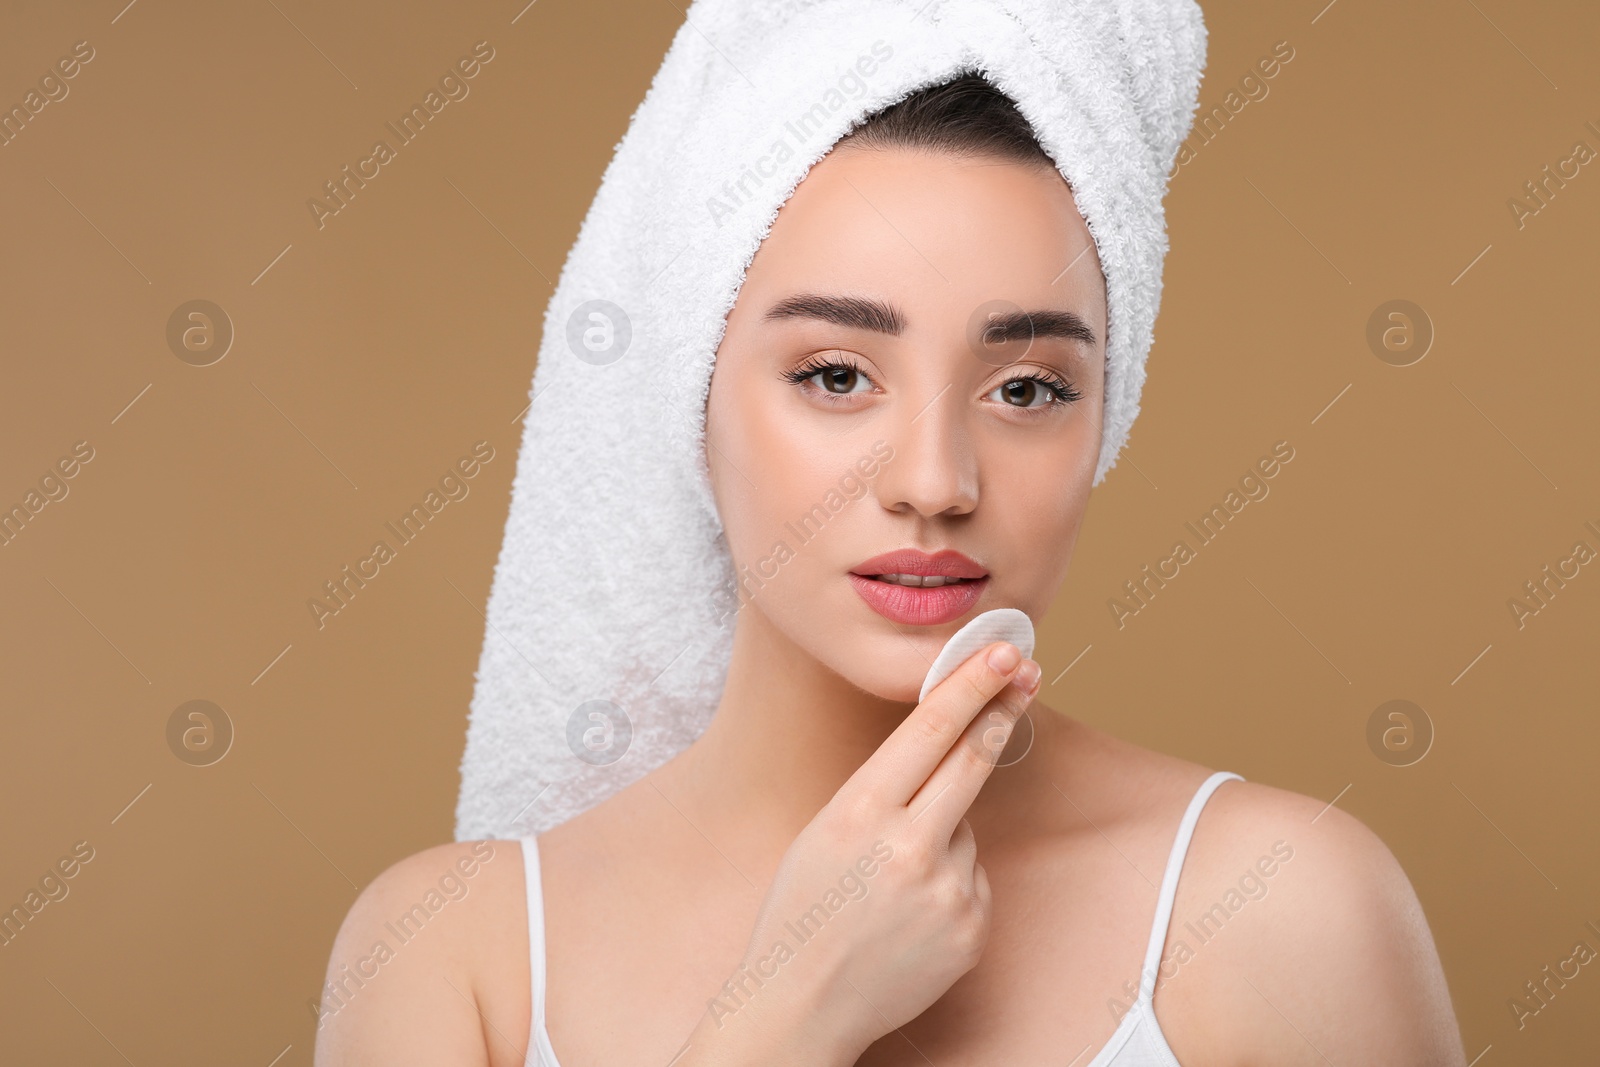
pixel 610 614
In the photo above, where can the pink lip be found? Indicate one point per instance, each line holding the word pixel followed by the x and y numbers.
pixel 947 562
pixel 920 606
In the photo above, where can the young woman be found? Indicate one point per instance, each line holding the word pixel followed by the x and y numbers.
pixel 834 873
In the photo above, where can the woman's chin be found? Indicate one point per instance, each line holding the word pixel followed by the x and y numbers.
pixel 889 682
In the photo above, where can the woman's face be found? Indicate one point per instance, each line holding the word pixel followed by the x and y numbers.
pixel 867 398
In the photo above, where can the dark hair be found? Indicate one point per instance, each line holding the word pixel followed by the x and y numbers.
pixel 966 115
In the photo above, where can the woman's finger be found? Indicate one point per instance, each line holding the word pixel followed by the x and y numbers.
pixel 950 790
pixel 899 766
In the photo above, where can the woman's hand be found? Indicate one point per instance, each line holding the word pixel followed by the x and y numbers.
pixel 880 903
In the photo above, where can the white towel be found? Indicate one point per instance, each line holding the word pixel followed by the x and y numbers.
pixel 610 616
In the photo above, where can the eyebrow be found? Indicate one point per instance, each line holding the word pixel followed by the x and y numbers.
pixel 865 313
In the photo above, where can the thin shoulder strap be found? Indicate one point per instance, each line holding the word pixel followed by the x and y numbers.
pixel 1169 883
pixel 536 950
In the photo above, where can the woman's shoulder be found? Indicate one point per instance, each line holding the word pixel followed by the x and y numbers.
pixel 429 959
pixel 1312 857
pixel 459 890
pixel 1312 854
pixel 1323 926
pixel 1151 788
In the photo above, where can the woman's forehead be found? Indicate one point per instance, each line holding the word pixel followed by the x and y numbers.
pixel 924 231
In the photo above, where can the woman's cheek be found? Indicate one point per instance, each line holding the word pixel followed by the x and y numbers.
pixel 1038 530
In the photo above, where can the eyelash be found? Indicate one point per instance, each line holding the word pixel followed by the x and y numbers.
pixel 1063 390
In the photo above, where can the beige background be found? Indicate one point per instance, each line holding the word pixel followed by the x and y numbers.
pixel 372 353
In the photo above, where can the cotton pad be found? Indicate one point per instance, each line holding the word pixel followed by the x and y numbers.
pixel 1001 624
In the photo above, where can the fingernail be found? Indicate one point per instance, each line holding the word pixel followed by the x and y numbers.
pixel 1005 657
pixel 1028 677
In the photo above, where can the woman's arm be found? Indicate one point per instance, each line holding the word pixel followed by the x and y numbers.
pixel 400 983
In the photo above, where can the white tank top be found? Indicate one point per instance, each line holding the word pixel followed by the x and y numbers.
pixel 1137 1041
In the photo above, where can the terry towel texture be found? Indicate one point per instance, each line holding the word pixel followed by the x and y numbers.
pixel 610 615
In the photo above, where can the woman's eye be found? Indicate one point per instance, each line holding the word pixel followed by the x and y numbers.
pixel 844 379
pixel 840 380
pixel 1026 393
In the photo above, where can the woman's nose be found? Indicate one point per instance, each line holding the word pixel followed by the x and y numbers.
pixel 935 469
